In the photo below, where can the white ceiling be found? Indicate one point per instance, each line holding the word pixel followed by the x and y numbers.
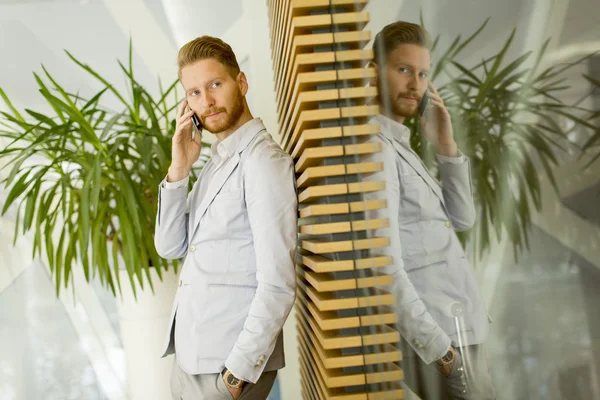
pixel 34 32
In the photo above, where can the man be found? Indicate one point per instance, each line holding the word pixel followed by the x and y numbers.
pixel 439 305
pixel 237 230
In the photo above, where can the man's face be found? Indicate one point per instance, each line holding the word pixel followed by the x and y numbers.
pixel 403 79
pixel 215 96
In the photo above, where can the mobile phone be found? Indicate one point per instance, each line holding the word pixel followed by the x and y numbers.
pixel 424 103
pixel 197 129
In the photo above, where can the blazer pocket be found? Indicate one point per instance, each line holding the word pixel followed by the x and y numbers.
pixel 230 194
pixel 232 285
pixel 408 179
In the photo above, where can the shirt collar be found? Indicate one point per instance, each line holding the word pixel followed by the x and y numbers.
pixel 393 130
pixel 238 140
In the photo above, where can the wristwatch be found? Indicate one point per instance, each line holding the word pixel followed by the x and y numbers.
pixel 231 380
pixel 448 358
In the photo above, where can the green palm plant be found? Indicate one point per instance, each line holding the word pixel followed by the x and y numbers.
pixel 91 194
pixel 504 114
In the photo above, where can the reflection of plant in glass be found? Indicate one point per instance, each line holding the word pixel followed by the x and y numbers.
pixel 95 177
pixel 504 115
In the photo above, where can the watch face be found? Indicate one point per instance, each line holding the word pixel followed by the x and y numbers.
pixel 232 380
pixel 448 357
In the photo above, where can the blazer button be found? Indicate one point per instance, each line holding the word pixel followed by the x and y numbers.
pixel 193 248
pixel 448 224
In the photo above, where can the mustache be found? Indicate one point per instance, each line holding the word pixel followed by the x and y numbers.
pixel 212 111
pixel 409 96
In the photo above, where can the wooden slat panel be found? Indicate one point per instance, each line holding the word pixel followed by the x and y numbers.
pixel 301 27
pixel 355 39
pixel 308 118
pixel 307 98
pixel 288 49
pixel 332 340
pixel 336 378
pixel 313 383
pixel 345 316
pixel 310 136
pixel 334 320
pixel 332 359
pixel 308 61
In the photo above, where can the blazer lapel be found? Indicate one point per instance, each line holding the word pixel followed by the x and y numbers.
pixel 414 162
pixel 215 186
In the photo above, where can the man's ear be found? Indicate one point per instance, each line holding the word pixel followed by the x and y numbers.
pixel 373 80
pixel 242 83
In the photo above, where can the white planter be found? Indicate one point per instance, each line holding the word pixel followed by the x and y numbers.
pixel 143 328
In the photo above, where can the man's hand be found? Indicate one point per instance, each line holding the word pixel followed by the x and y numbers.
pixel 185 151
pixel 437 125
pixel 235 392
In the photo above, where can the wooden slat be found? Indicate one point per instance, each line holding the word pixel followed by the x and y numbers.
pixel 327 301
pixel 313 174
pixel 343 227
pixel 314 156
pixel 326 283
pixel 317 246
pixel 322 264
pixel 315 192
pixel 341 208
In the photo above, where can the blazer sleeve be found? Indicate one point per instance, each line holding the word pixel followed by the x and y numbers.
pixel 171 227
pixel 458 192
pixel 271 200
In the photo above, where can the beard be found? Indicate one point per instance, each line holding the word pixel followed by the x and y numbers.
pixel 227 121
pixel 404 108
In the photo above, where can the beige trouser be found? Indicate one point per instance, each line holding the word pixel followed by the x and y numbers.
pixel 211 386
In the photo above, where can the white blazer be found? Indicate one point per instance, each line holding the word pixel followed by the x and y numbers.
pixel 238 238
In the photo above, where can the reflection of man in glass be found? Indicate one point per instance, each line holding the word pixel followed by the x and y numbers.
pixel 442 317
